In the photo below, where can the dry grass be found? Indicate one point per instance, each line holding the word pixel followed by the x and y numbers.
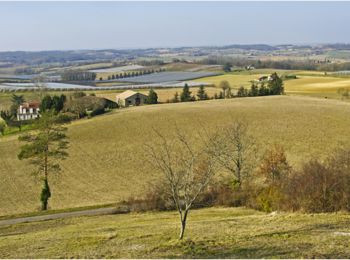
pixel 164 94
pixel 106 162
pixel 309 83
pixel 211 233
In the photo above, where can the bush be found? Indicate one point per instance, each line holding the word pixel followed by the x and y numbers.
pixel 97 111
pixel 2 128
pixel 156 198
pixel 321 186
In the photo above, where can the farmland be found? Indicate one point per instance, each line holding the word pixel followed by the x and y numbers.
pixel 168 77
pixel 212 233
pixel 106 162
pixel 308 83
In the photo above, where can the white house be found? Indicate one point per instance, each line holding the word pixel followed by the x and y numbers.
pixel 28 111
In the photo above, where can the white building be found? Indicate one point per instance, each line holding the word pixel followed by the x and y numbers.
pixel 28 111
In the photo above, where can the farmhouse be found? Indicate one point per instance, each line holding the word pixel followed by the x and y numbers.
pixel 131 98
pixel 28 111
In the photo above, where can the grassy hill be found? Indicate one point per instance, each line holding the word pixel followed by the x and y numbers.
pixel 107 164
pixel 211 233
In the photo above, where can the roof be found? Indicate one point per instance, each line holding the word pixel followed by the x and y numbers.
pixel 128 93
pixel 34 104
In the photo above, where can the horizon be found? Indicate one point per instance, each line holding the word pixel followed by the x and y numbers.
pixel 187 46
pixel 64 26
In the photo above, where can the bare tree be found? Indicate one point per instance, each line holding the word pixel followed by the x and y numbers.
pixel 40 84
pixel 187 169
pixel 234 149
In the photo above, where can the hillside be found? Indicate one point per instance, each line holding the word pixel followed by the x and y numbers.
pixel 107 163
pixel 211 233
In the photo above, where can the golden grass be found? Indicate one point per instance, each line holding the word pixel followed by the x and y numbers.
pixel 211 233
pixel 309 83
pixel 164 94
pixel 106 162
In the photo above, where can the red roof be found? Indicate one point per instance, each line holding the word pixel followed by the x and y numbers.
pixel 34 104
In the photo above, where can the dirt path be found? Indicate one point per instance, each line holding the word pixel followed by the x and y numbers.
pixel 89 212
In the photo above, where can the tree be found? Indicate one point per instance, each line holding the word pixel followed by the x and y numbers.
pixel 201 94
pixel 44 150
pixel 276 85
pixel 234 150
pixel 242 92
pixel 263 91
pixel 229 93
pixel 40 84
pixel 176 98
pixel 186 94
pixel 46 103
pixel 2 128
pixel 227 67
pixel 187 170
pixel 6 115
pixel 16 100
pixel 274 164
pixel 58 102
pixel 224 85
pixel 254 90
pixel 152 97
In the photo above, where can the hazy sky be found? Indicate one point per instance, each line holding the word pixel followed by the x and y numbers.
pixel 97 25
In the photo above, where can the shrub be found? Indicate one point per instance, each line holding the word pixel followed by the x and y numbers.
pixel 2 128
pixel 320 187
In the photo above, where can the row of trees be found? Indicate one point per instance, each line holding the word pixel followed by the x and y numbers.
pixel 274 86
pixel 229 62
pixel 132 74
pixel 55 103
pixel 186 95
pixel 77 75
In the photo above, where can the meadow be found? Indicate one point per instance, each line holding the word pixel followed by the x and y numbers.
pixel 211 233
pixel 107 160
pixel 308 83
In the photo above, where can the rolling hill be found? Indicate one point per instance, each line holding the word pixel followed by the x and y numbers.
pixel 107 158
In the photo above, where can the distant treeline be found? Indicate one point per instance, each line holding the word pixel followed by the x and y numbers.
pixel 76 75
pixel 283 64
pixel 132 74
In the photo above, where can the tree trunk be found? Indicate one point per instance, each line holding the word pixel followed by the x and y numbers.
pixel 183 225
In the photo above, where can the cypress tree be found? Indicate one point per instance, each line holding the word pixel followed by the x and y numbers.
pixel 186 94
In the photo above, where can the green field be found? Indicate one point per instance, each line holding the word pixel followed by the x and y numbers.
pixel 107 159
pixel 211 233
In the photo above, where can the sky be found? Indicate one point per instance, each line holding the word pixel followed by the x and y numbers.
pixel 33 26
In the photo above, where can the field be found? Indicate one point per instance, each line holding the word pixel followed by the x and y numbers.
pixel 168 76
pixel 107 159
pixel 211 233
pixel 308 83
pixel 164 94
pixel 118 69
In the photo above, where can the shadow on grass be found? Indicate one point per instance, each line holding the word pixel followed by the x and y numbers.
pixel 211 249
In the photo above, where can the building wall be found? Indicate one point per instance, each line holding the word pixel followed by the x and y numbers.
pixel 131 101
pixel 27 114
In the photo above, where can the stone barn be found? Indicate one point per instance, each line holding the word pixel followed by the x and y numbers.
pixel 131 98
